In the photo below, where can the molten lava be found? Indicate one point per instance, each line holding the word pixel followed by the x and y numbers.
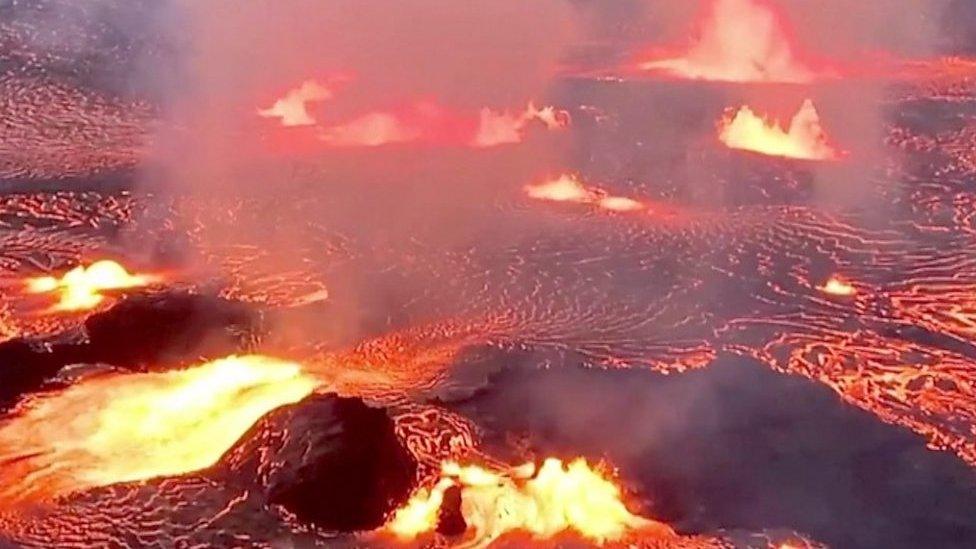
pixel 740 41
pixel 565 188
pixel 413 122
pixel 568 188
pixel 838 286
pixel 542 502
pixel 292 108
pixel 805 139
pixel 127 427
pixel 619 204
pixel 82 288
pixel 502 128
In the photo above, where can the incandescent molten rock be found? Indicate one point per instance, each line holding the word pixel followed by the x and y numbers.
pixel 305 475
pixel 333 462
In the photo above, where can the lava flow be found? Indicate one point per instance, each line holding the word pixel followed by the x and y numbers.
pixel 82 287
pixel 542 502
pixel 805 139
pixel 126 427
pixel 740 41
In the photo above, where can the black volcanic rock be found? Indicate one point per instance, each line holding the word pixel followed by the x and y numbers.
pixel 334 462
pixel 25 368
pixel 148 332
pixel 142 332
pixel 450 520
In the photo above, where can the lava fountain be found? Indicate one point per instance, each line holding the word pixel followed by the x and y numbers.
pixel 417 121
pixel 805 139
pixel 543 502
pixel 569 188
pixel 740 41
pixel 127 427
pixel 82 287
pixel 292 108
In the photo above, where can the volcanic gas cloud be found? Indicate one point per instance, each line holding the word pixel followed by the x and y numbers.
pixel 740 41
pixel 805 139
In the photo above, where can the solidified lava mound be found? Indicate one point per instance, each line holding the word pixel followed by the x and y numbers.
pixel 333 462
pixel 140 333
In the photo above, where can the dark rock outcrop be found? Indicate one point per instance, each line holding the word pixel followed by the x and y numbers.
pixel 333 462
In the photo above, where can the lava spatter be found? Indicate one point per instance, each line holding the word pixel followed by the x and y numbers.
pixel 804 139
pixel 83 288
pixel 542 501
pixel 740 41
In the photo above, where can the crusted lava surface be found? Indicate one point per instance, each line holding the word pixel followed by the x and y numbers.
pixel 849 419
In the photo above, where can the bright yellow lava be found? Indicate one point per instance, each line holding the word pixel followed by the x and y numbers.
pixel 81 288
pixel 128 427
pixel 837 286
pixel 804 139
pixel 542 502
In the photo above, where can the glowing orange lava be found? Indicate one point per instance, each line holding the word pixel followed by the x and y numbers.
pixel 542 502
pixel 838 286
pixel 82 288
pixel 805 139
pixel 128 427
pixel 292 108
pixel 740 41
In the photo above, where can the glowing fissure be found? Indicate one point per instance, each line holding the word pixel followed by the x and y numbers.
pixel 739 41
pixel 542 502
pixel 805 139
pixel 129 427
pixel 82 287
